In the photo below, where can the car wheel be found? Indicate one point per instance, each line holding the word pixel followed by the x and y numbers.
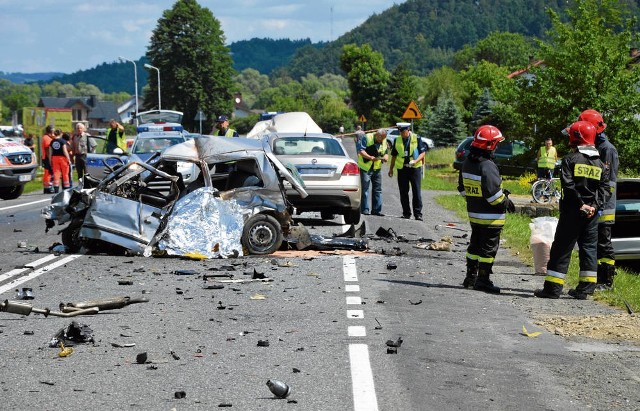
pixel 261 234
pixel 11 193
pixel 352 217
pixel 327 215
pixel 71 236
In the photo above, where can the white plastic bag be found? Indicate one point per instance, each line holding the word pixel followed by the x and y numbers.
pixel 543 229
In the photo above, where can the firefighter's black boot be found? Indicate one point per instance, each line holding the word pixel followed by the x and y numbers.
pixel 611 273
pixel 583 290
pixel 472 274
pixel 549 290
pixel 604 282
pixel 56 189
pixel 483 283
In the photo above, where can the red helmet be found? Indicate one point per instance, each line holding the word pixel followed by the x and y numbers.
pixel 582 133
pixel 594 118
pixel 487 137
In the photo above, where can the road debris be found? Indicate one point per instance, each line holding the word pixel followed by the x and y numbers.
pixel 103 304
pixel 415 303
pixel 392 346
pixel 21 308
pixel 25 293
pixel 279 388
pixel 263 343
pixel 64 351
pixel 529 334
pixel 180 394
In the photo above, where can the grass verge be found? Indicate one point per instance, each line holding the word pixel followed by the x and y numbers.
pixel 516 234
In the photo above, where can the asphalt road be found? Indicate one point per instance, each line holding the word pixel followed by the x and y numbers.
pixel 319 323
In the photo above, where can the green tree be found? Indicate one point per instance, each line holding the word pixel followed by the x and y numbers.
pixel 187 46
pixel 401 90
pixel 483 109
pixel 511 50
pixel 367 80
pixel 586 65
pixel 446 126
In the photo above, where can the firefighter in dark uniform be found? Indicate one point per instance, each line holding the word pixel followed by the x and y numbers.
pixel 407 155
pixel 480 183
pixel 584 180
pixel 607 218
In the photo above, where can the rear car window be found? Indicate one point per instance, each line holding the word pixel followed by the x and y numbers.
pixel 307 146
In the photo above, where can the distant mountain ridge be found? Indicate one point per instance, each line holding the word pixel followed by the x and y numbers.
pixel 423 34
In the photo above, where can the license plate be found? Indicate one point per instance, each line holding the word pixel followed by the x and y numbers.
pixel 24 177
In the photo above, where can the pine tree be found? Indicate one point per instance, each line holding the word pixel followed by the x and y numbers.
pixel 483 110
pixel 446 126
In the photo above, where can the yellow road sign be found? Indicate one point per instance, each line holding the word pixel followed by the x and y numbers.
pixel 412 112
pixel 362 118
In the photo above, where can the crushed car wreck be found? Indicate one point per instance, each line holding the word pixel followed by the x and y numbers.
pixel 236 206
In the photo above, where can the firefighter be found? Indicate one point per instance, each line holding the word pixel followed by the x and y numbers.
pixel 609 156
pixel 584 181
pixel 480 183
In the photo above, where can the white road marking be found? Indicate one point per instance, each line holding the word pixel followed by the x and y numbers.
pixel 24 204
pixel 354 300
pixel 27 267
pixel 349 268
pixel 356 331
pixel 38 272
pixel 355 313
pixel 364 392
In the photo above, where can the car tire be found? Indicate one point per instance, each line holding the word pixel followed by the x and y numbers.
pixel 71 235
pixel 327 215
pixel 261 235
pixel 352 216
pixel 11 193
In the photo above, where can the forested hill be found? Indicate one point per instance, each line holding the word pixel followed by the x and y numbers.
pixel 425 33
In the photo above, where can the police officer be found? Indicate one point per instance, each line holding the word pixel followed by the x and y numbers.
pixel 479 181
pixel 115 137
pixel 609 156
pixel 407 154
pixel 222 128
pixel 372 152
pixel 584 180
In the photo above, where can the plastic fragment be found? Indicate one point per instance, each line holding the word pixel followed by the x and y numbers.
pixel 528 334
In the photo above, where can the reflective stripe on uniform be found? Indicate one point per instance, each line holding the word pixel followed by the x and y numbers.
pixel 497 198
pixel 474 257
pixel 607 215
pixel 555 277
pixel 487 218
pixel 588 277
pixel 607 261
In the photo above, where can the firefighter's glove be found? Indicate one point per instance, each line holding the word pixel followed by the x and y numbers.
pixel 509 206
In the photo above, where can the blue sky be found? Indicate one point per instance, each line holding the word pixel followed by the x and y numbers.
pixel 70 35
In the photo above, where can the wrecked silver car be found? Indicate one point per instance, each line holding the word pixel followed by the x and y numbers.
pixel 236 206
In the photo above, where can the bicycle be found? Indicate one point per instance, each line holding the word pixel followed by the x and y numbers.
pixel 545 190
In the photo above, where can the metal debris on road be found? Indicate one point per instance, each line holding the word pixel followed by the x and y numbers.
pixel 263 343
pixel 103 304
pixel 415 303
pixel 279 388
pixel 25 293
pixel 391 266
pixel 20 308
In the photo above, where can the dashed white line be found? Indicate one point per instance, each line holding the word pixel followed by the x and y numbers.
pixel 352 299
pixel 24 204
pixel 355 314
pixel 349 268
pixel 356 331
pixel 364 393
pixel 38 272
pixel 27 267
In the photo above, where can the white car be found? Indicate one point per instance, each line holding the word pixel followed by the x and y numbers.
pixel 393 132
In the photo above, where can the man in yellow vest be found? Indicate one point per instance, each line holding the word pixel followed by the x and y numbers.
pixel 372 152
pixel 407 155
pixel 547 157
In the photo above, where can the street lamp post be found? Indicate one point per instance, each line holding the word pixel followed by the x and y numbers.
pixel 135 79
pixel 149 66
